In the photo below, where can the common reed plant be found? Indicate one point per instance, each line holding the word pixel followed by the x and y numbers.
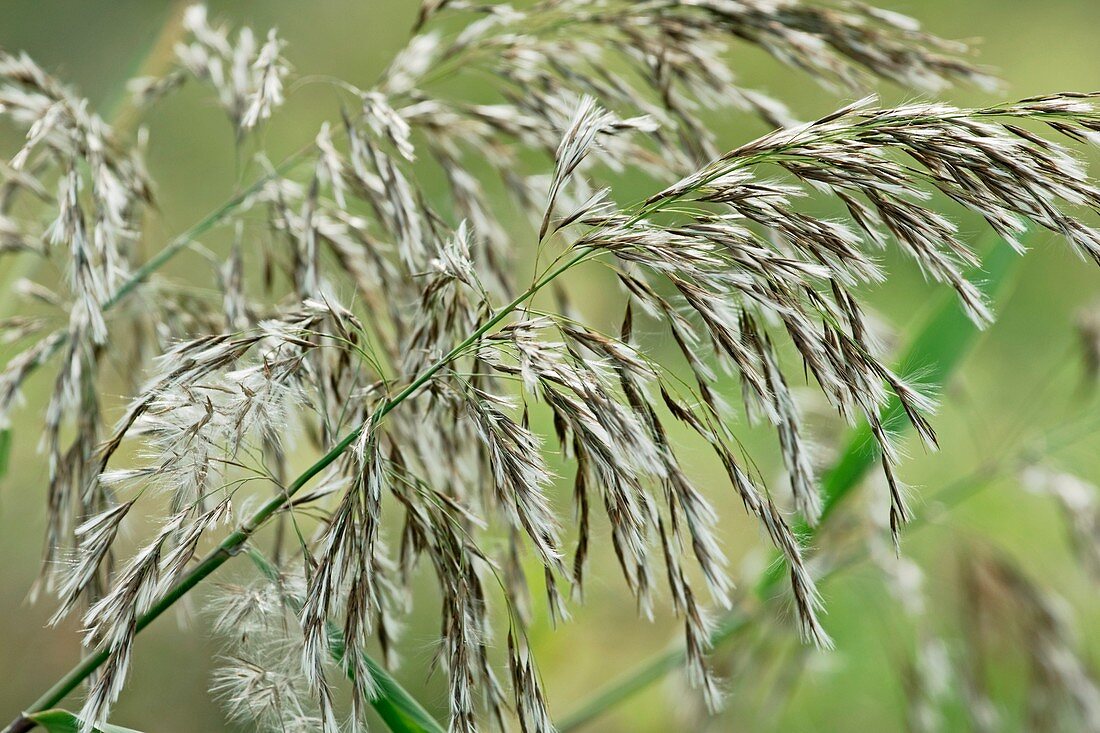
pixel 412 342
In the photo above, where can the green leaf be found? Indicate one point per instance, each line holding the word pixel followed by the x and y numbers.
pixel 5 451
pixel 397 707
pixel 62 721
pixel 400 710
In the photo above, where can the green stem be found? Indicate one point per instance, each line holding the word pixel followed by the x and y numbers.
pixel 212 562
pixel 233 543
pixel 153 60
pixel 652 671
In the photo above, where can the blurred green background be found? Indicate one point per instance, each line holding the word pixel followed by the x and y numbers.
pixel 1023 377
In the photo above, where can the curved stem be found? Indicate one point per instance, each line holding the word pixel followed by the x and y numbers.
pixel 154 60
pixel 141 274
pixel 233 543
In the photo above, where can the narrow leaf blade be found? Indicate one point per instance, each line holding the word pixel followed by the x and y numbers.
pixel 5 451
pixel 62 721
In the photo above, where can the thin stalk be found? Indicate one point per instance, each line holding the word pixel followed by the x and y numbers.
pixel 234 542
pixel 652 671
pixel 936 350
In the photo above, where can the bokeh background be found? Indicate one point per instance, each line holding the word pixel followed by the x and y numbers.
pixel 1023 377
